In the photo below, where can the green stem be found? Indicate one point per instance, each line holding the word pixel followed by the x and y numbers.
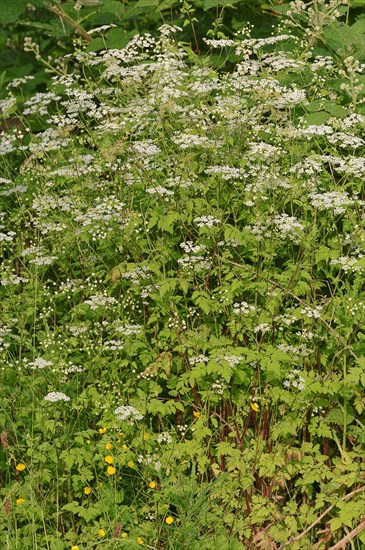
pixel 344 437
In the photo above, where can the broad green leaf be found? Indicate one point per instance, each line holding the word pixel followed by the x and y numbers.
pixel 316 119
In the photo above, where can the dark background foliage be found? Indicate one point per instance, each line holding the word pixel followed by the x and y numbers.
pixel 58 26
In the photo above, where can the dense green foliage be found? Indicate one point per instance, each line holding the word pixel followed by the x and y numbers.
pixel 182 341
pixel 57 26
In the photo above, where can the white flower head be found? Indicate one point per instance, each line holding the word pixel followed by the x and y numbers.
pixel 39 363
pixel 127 412
pixel 55 396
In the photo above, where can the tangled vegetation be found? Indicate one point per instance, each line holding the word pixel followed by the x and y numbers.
pixel 182 288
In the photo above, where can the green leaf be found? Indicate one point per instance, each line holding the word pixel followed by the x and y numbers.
pixel 345 40
pixel 11 11
pixel 316 119
pixel 167 286
pixel 335 524
pixel 328 106
pixel 117 38
pixel 208 4
pixel 322 254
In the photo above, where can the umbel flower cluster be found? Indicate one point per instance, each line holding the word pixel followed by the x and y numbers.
pixel 185 239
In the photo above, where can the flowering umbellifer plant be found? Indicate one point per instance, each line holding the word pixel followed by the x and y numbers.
pixel 187 246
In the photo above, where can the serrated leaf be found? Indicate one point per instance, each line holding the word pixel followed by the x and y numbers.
pixel 322 254
pixel 335 416
pixel 335 524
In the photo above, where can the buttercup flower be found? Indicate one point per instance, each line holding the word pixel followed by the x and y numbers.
pixel 19 501
pixel 140 540
pixel 20 467
pixel 111 470
pixel 254 407
pixel 109 459
pixel 130 464
pixel 169 520
pixel 87 490
pixel 152 485
pixel 101 533
pixel 108 446
pixel 74 548
pixel 102 430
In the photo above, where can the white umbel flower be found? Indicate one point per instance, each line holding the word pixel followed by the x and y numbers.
pixel 55 396
pixel 127 412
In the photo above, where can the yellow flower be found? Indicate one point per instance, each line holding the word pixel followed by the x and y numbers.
pixel 109 459
pixel 169 520
pixel 152 485
pixel 124 447
pixel 19 501
pixel 20 467
pixel 111 470
pixel 102 430
pixel 130 464
pixel 88 442
pixel 140 540
pixel 74 548
pixel 101 533
pixel 108 446
pixel 254 407
pixel 146 436
pixel 196 414
pixel 87 490
pixel 124 535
